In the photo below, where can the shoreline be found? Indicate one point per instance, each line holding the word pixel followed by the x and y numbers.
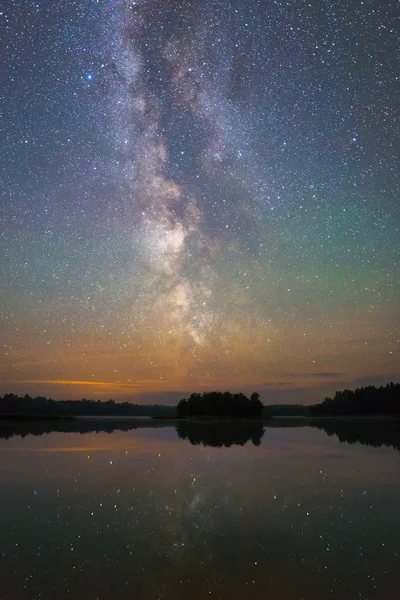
pixel 149 420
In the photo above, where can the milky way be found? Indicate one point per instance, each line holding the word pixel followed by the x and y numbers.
pixel 199 195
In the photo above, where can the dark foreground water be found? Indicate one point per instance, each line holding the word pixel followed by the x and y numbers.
pixel 204 512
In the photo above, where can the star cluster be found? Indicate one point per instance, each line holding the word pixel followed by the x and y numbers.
pixel 199 194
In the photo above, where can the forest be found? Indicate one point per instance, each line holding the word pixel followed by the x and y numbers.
pixel 370 400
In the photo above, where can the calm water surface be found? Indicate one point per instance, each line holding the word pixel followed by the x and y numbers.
pixel 156 513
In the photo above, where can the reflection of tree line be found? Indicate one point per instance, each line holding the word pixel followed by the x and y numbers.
pixel 385 433
pixel 377 434
pixel 221 434
pixel 39 427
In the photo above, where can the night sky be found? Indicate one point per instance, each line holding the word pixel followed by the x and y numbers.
pixel 199 195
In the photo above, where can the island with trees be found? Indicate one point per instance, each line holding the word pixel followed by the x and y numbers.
pixel 223 405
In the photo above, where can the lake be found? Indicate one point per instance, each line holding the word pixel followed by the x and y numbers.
pixel 127 510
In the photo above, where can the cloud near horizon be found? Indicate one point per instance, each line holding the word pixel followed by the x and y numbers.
pixel 327 374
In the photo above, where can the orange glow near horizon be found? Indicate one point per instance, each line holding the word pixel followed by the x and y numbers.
pixel 304 367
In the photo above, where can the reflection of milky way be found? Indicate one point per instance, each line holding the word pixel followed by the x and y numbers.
pixel 199 195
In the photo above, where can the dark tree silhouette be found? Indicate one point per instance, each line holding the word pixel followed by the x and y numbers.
pixel 370 400
pixel 182 408
pixel 14 405
pixel 220 404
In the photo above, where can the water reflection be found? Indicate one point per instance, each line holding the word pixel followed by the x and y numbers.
pixel 144 514
pixel 219 435
pixel 376 434
pixel 9 429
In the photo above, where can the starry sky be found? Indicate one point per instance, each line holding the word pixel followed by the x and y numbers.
pixel 199 195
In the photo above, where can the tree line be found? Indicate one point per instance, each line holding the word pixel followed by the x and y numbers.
pixel 370 400
pixel 220 404
pixel 11 404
